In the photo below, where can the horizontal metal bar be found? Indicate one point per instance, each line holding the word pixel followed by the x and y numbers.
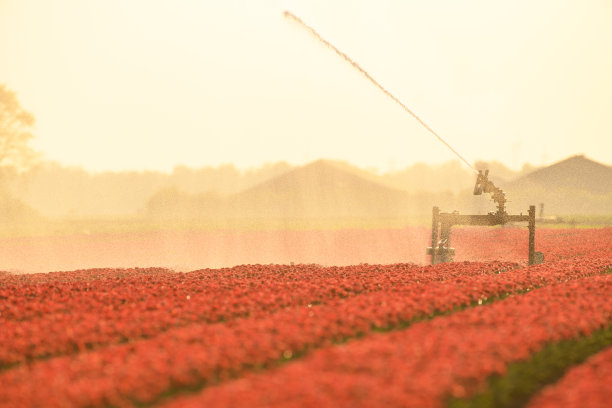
pixel 488 219
pixel 450 251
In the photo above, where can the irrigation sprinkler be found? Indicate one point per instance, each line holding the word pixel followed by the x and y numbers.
pixel 441 250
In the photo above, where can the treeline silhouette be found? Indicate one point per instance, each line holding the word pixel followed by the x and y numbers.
pixel 54 190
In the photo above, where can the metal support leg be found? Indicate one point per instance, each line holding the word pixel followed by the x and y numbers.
pixel 531 234
pixel 445 255
pixel 434 233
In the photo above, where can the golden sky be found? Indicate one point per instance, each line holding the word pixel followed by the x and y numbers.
pixel 142 84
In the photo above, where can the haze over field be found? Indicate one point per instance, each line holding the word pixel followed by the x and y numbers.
pixel 321 189
pixel 149 85
pixel 127 126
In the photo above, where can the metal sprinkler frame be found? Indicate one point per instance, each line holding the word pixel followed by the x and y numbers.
pixel 440 249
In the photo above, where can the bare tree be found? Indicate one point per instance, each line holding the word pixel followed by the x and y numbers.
pixel 15 133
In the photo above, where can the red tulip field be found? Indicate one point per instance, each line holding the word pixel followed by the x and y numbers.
pixel 487 330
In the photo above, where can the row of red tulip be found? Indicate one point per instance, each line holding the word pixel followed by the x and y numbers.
pixel 115 288
pixel 430 361
pixel 84 315
pixel 586 385
pixel 200 354
pixel 511 243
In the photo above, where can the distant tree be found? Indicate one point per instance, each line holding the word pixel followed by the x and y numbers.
pixel 15 133
pixel 15 155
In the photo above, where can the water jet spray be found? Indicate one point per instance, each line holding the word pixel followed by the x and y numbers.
pixel 440 250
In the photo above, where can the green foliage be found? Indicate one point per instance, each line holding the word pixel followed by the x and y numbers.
pixel 524 379
pixel 15 132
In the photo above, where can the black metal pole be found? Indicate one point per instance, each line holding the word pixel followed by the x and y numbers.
pixel 531 234
pixel 445 231
pixel 434 233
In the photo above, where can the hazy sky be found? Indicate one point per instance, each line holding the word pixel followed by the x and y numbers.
pixel 142 84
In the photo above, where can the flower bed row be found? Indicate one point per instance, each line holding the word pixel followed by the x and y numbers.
pixel 525 378
pixel 25 298
pixel 199 355
pixel 511 243
pixel 574 243
pixel 96 313
pixel 586 385
pixel 423 365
